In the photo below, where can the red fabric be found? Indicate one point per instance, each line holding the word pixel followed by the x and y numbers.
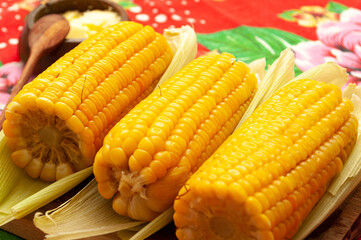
pixel 206 16
pixel 209 17
pixel 11 24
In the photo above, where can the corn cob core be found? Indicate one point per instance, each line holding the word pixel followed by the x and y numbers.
pixel 265 179
pixel 57 122
pixel 152 151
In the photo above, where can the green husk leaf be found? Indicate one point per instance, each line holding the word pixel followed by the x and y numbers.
pixel 20 194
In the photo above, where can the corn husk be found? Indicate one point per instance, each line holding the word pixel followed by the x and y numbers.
pixel 94 222
pixel 345 182
pixel 183 42
pixel 350 176
pixel 21 195
pixel 279 74
pixel 58 224
pixel 258 67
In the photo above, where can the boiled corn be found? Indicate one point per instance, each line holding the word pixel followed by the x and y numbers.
pixel 152 151
pixel 265 179
pixel 58 121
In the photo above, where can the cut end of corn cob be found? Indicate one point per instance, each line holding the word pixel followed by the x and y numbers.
pixel 57 122
pixel 153 150
pixel 265 179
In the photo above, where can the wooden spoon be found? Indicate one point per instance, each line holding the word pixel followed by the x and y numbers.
pixel 46 34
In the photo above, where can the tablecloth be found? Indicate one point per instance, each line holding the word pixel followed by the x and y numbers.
pixel 316 30
pixel 330 30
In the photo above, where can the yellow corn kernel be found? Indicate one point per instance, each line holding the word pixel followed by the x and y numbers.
pixel 63 115
pixel 167 135
pixel 280 162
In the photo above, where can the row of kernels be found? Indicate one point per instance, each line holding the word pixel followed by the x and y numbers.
pixel 297 198
pixel 195 147
pixel 93 71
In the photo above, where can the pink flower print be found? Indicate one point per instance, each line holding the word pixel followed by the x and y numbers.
pixel 346 59
pixel 312 53
pixel 339 42
pixel 354 77
pixel 9 75
pixel 351 15
pixel 342 35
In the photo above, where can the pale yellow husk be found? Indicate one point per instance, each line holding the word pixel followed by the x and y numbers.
pixel 20 194
pixel 279 73
pixel 66 222
pixel 69 219
pixel 344 183
pixel 183 42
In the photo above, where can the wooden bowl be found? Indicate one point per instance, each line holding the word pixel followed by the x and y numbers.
pixel 61 6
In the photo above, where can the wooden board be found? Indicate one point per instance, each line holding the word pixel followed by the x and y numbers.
pixel 343 224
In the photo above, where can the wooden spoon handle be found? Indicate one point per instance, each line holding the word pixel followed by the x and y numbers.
pixel 24 77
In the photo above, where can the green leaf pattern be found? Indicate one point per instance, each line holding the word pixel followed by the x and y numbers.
pixel 250 43
pixel 336 7
pixel 288 15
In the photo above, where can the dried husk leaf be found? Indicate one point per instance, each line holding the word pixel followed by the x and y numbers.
pixel 20 194
pixel 183 42
pixel 328 72
pixel 61 223
pixel 279 74
pixel 258 67
pixel 67 222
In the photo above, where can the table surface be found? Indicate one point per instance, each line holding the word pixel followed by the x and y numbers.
pixel 247 29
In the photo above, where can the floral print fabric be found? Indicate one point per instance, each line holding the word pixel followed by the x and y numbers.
pixel 317 30
pixel 339 41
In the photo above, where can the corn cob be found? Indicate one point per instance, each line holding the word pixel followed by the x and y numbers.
pixel 264 180
pixel 152 151
pixel 58 121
